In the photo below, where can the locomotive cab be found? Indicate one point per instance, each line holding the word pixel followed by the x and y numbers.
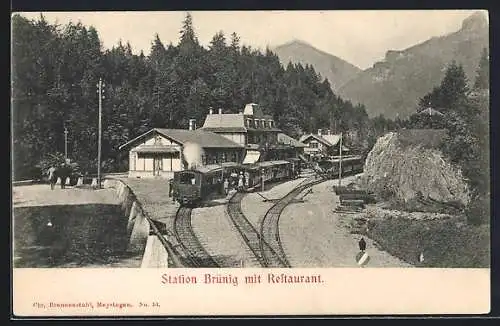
pixel 186 187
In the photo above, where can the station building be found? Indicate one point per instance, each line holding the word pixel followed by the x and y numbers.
pixel 322 145
pixel 159 152
pixel 246 137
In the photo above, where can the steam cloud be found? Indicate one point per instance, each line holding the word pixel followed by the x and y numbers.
pixel 193 154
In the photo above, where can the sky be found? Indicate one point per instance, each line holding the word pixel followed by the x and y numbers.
pixel 359 37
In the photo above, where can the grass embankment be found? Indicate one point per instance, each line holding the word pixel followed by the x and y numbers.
pixel 448 243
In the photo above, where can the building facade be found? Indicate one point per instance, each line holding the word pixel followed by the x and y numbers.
pixel 322 145
pixel 252 129
pixel 161 152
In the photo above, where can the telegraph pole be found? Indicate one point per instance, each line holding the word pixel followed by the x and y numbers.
pixel 65 143
pixel 340 160
pixel 100 85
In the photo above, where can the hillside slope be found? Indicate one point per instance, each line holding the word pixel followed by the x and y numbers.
pixel 392 87
pixel 338 71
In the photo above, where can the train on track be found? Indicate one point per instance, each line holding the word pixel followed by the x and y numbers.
pixel 350 165
pixel 193 186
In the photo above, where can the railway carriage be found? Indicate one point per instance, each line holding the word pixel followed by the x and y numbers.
pixel 193 185
pixel 295 166
pixel 350 165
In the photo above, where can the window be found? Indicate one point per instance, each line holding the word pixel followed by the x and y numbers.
pixel 187 178
pixel 313 144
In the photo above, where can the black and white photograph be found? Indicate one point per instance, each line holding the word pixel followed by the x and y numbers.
pixel 251 139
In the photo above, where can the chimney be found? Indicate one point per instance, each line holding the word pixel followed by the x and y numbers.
pixel 220 111
pixel 192 124
pixel 211 111
pixel 329 132
pixel 319 132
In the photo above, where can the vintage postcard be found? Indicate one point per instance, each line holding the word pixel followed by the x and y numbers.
pixel 249 163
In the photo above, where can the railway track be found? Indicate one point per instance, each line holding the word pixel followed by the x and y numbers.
pixel 194 255
pixel 269 226
pixel 249 234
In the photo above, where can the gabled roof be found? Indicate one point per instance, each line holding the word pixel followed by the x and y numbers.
pixel 430 111
pixel 205 139
pixel 225 122
pixel 285 139
pixel 332 139
pixel 328 140
pixel 253 109
pixel 317 137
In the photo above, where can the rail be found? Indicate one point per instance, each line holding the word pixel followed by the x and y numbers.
pixel 269 226
pixel 195 253
pixel 247 231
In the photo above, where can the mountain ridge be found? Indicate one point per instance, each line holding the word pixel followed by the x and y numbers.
pixel 337 70
pixel 392 87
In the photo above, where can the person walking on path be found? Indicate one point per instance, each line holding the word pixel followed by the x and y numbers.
pixel 52 177
pixel 362 258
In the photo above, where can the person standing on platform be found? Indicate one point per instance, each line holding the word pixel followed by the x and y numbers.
pixel 63 174
pixel 226 186
pixel 240 182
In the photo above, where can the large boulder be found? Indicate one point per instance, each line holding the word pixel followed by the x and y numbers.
pixel 408 165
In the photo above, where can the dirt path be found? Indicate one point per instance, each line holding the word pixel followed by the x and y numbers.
pixel 314 236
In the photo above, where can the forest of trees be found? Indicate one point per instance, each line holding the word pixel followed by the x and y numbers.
pixel 465 115
pixel 55 70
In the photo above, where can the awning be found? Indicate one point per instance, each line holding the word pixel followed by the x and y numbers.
pixel 251 157
pixel 156 149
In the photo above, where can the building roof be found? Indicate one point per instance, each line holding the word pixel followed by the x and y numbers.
pixel 230 122
pixel 430 111
pixel 332 139
pixel 253 109
pixel 317 137
pixel 225 122
pixel 328 140
pixel 285 139
pixel 205 139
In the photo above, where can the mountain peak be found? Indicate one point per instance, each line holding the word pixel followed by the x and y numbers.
pixel 476 21
pixel 297 42
pixel 335 69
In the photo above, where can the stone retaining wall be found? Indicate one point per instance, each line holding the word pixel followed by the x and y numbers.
pixel 138 226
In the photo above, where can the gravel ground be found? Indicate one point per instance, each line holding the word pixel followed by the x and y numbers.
pixel 153 195
pixel 220 238
pixel 314 236
pixel 41 195
pixel 255 208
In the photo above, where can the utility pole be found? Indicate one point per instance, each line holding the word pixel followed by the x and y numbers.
pixel 100 85
pixel 340 160
pixel 65 143
pixel 262 173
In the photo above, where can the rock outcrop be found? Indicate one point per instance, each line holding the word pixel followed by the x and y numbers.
pixel 404 169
